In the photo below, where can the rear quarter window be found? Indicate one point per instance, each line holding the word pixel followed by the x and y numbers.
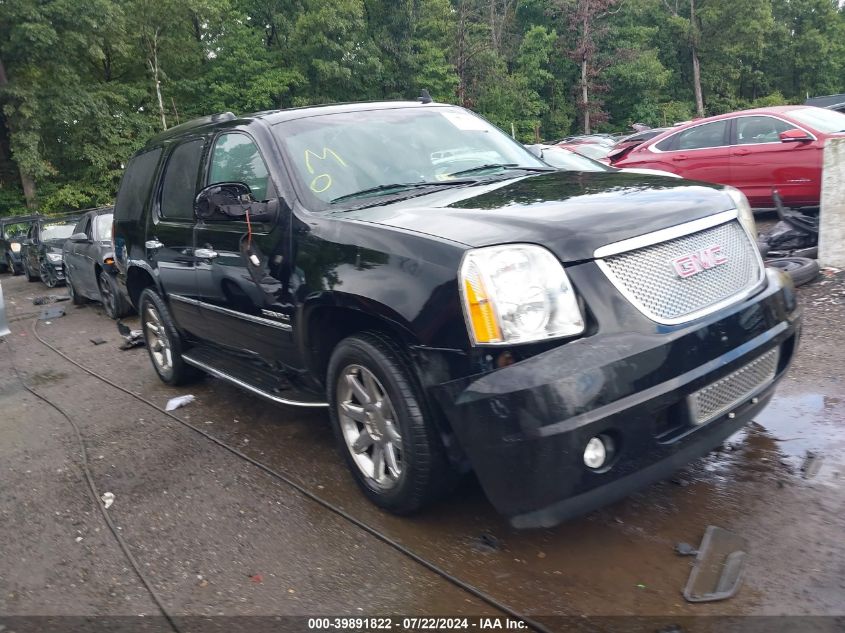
pixel 135 185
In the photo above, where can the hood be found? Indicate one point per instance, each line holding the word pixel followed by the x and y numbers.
pixel 571 213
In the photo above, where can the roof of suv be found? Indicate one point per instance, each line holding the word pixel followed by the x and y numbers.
pixel 271 117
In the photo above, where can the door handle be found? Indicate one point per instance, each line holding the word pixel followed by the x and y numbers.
pixel 153 244
pixel 742 152
pixel 681 157
pixel 205 253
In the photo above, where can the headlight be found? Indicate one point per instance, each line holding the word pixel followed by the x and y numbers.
pixel 746 215
pixel 54 257
pixel 517 293
pixel 15 246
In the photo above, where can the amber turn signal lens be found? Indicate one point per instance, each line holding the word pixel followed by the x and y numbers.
pixel 481 316
pixel 108 261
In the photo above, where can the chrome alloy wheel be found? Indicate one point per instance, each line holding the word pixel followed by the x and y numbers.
pixel 157 340
pixel 369 425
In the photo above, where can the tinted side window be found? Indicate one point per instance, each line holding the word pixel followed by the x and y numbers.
pixel 237 159
pixel 82 225
pixel 180 181
pixel 135 185
pixel 759 129
pixel 707 135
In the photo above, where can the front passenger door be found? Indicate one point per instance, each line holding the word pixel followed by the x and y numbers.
pixel 243 301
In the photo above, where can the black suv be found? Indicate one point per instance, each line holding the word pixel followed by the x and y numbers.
pixel 454 301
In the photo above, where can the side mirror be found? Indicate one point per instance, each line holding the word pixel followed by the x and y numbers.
pixel 795 136
pixel 78 237
pixel 231 201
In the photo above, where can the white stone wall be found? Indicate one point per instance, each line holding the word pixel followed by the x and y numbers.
pixel 832 219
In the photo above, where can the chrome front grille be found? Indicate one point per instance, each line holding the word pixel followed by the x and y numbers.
pixel 647 277
pixel 723 395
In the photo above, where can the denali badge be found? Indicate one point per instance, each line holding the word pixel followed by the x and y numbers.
pixel 693 263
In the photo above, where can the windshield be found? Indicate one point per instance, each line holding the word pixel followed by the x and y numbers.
pixel 57 231
pixel 102 227
pixel 571 161
pixel 15 231
pixel 336 155
pixel 825 121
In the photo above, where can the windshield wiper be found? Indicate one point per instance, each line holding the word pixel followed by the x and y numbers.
pixel 399 186
pixel 504 166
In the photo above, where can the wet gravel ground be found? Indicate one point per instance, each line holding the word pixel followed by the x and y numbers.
pixel 216 535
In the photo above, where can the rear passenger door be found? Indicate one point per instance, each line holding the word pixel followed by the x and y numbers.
pixel 170 233
pixel 240 266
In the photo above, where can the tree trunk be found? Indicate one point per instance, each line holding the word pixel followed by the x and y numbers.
pixel 27 181
pixel 696 64
pixel 153 63
pixel 585 103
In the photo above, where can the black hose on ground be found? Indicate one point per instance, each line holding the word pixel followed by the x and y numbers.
pixel 381 536
pixel 95 495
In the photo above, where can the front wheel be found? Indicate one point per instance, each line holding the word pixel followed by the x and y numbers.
pixel 383 424
pixel 10 265
pixel 163 341
pixel 113 302
pixel 48 276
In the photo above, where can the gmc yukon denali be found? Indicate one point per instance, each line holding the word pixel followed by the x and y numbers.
pixel 453 301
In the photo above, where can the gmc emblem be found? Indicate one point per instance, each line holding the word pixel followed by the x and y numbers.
pixel 694 263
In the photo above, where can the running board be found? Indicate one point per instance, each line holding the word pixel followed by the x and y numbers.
pixel 260 384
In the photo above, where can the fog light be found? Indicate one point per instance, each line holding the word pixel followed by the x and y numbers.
pixel 595 454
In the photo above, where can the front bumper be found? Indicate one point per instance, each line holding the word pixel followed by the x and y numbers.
pixel 524 427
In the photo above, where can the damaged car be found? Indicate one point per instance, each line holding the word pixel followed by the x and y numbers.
pixel 452 301
pixel 13 232
pixel 89 264
pixel 41 251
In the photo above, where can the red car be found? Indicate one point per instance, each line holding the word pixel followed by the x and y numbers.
pixel 755 151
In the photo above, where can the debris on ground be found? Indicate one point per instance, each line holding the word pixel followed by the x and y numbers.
pixel 486 543
pixel 717 571
pixel 811 466
pixel 256 578
pixel 179 401
pixel 51 313
pixel 45 299
pixel 131 338
pixel 108 499
pixel 98 341
pixel 685 549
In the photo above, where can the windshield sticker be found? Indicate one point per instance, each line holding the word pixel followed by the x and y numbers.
pixel 465 121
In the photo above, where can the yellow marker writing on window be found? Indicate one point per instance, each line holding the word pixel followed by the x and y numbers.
pixel 321 183
pixel 322 156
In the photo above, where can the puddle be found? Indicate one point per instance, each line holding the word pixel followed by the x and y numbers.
pixel 808 430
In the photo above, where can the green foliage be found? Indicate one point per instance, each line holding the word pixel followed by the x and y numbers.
pixel 81 94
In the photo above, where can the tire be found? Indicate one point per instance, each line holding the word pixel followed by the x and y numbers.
pixel 29 276
pixel 424 473
pixel 165 351
pixel 800 269
pixel 48 276
pixel 10 266
pixel 75 298
pixel 113 302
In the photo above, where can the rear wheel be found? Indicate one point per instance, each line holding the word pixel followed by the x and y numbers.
pixel 164 343
pixel 110 296
pixel 75 298
pixel 383 424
